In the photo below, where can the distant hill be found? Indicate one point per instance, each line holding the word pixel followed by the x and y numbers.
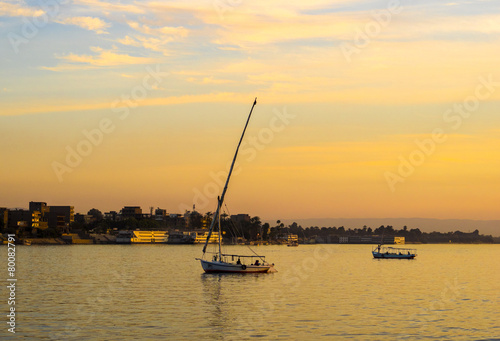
pixel 485 227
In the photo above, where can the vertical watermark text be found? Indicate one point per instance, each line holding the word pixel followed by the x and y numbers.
pixel 11 280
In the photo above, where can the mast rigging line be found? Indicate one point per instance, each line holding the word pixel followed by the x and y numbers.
pixel 221 200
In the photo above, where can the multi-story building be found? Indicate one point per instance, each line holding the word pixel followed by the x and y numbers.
pixel 60 217
pixel 160 214
pixel 39 216
pixel 131 212
pixel 111 215
pixel 68 212
pixel 39 206
pixel 19 218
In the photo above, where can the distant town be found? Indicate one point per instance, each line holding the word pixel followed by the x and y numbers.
pixel 44 224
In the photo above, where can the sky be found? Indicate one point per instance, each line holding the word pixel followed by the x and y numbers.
pixel 364 108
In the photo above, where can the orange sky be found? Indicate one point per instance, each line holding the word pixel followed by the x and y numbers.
pixel 364 110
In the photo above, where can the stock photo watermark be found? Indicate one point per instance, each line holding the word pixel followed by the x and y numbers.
pixel 455 116
pixel 250 148
pixel 48 10
pixel 364 36
pixel 95 137
pixel 11 281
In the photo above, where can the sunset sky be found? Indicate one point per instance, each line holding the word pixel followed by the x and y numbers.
pixel 365 108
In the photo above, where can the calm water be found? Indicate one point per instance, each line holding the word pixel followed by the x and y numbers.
pixel 331 292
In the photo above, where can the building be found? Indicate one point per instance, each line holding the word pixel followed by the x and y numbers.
pixel 369 240
pixel 111 215
pixel 292 238
pixel 399 240
pixel 60 217
pixel 131 212
pixel 239 218
pixel 67 211
pixel 4 215
pixel 55 217
pixel 39 206
pixel 39 216
pixel 175 221
pixel 160 213
pixel 19 218
pixel 38 211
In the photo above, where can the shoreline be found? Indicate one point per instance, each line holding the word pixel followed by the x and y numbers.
pixel 60 241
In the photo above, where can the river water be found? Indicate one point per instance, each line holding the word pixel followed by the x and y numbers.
pixel 330 292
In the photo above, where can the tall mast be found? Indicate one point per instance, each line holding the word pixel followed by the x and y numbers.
pixel 227 180
pixel 220 231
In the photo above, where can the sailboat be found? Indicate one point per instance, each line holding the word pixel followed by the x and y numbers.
pixel 231 263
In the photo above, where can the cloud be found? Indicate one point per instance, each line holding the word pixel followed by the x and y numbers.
pixel 107 7
pixel 253 25
pixel 17 10
pixel 209 80
pixel 159 31
pixel 153 38
pixel 89 23
pixel 129 41
pixel 154 44
pixel 221 97
pixel 102 59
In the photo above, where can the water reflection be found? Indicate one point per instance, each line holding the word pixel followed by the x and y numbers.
pixel 212 292
pixel 158 293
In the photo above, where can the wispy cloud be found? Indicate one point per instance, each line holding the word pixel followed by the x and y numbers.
pixel 209 80
pixel 153 38
pixel 172 32
pixel 129 41
pixel 8 9
pixel 47 106
pixel 103 58
pixel 109 7
pixel 89 23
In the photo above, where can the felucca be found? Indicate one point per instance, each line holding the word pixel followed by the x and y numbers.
pixel 219 262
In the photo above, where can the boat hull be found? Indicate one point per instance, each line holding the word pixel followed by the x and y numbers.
pixel 222 267
pixel 392 256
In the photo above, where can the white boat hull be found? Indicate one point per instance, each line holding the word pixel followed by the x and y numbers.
pixel 222 267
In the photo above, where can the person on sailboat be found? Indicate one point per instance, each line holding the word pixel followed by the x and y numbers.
pixel 257 262
pixel 239 261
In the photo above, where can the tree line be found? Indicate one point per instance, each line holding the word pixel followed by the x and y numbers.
pixel 254 230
